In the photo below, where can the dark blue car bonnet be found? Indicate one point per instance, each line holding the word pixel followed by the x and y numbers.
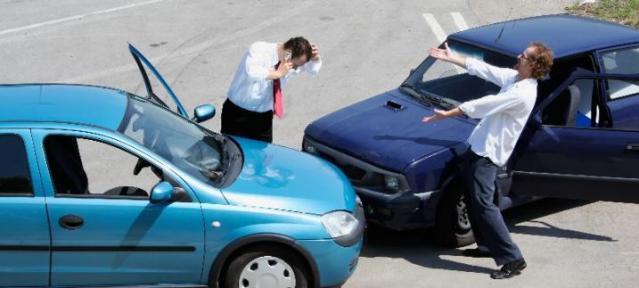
pixel 388 137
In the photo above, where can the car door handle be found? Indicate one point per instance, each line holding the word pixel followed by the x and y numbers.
pixel 632 147
pixel 71 222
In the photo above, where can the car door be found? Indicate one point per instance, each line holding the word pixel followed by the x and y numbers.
pixel 157 89
pixel 622 95
pixel 24 233
pixel 104 229
pixel 575 149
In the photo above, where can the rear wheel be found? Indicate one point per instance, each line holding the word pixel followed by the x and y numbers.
pixel 452 225
pixel 266 266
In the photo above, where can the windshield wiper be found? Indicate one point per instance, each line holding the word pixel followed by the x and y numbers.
pixel 410 89
pixel 429 97
pixel 448 103
pixel 423 96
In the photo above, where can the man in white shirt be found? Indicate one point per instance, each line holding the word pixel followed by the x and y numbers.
pixel 503 117
pixel 255 94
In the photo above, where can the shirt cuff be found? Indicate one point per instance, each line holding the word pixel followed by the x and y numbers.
pixel 467 109
pixel 314 66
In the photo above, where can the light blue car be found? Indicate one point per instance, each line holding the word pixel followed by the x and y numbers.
pixel 80 208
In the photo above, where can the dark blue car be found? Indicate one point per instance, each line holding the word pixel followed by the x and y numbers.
pixel 581 141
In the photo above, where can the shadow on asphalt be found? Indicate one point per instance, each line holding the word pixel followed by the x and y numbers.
pixel 531 211
pixel 419 246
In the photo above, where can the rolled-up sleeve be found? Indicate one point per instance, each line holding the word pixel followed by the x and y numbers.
pixel 480 108
pixel 497 75
pixel 254 68
pixel 313 67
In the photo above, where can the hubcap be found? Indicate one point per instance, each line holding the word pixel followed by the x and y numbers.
pixel 267 272
pixel 462 214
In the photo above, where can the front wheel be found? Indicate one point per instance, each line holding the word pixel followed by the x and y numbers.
pixel 452 225
pixel 266 266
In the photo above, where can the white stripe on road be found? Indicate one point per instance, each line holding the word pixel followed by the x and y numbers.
pixel 439 32
pixel 435 27
pixel 76 17
pixel 459 21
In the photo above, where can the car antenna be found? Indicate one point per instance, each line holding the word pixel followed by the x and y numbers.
pixel 503 25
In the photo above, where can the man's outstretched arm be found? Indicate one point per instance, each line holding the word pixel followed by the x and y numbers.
pixel 481 69
pixel 442 114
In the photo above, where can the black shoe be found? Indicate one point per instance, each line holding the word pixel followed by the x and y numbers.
pixel 476 253
pixel 509 269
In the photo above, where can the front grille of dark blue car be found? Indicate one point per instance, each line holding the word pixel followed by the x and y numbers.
pixel 352 172
pixel 360 174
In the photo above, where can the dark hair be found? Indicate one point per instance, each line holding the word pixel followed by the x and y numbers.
pixel 299 46
pixel 541 60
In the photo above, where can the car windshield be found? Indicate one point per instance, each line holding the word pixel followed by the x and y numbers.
pixel 449 85
pixel 197 151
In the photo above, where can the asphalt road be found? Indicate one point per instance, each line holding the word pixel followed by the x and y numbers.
pixel 368 47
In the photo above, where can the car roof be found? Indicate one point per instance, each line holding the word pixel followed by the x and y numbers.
pixel 565 34
pixel 79 104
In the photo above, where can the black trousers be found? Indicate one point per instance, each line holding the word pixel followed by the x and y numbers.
pixel 244 123
pixel 485 217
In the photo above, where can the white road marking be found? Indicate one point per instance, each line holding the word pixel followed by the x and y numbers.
pixel 435 27
pixel 77 17
pixel 459 21
pixel 439 32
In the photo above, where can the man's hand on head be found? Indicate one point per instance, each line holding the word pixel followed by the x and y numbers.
pixel 315 53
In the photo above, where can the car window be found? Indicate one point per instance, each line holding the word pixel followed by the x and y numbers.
pixel 445 80
pixel 622 88
pixel 160 92
pixel 622 61
pixel 572 107
pixel 15 177
pixel 83 167
pixel 188 146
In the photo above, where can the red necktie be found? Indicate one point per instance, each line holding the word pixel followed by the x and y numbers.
pixel 278 103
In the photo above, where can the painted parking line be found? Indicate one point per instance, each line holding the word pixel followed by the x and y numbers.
pixel 459 21
pixel 77 17
pixel 435 27
pixel 439 32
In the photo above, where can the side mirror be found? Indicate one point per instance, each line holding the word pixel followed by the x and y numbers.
pixel 203 112
pixel 162 192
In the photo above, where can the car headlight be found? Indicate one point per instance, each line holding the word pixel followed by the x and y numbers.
pixel 392 183
pixel 343 227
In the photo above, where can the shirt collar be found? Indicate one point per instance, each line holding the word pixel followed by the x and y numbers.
pixel 527 81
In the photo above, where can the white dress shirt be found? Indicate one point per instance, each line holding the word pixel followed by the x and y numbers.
pixel 503 116
pixel 250 89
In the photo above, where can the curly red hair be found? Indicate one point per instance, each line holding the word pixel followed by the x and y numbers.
pixel 541 60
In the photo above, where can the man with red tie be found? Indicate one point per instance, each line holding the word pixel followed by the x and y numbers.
pixel 256 95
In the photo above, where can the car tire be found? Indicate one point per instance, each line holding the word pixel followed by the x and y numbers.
pixel 284 267
pixel 452 225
